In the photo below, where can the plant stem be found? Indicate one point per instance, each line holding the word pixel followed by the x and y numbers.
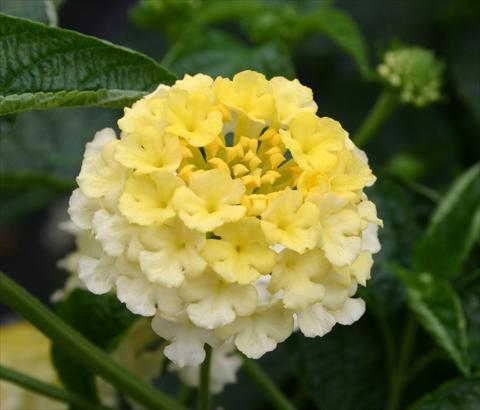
pixel 380 112
pixel 47 390
pixel 204 392
pixel 263 382
pixel 399 379
pixel 83 350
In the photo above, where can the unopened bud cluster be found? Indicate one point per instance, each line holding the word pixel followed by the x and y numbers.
pixel 415 72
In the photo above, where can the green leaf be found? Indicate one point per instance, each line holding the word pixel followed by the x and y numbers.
pixel 458 394
pixel 42 11
pixel 101 319
pixel 453 229
pixel 290 24
pixel 439 310
pixel 48 67
pixel 216 53
pixel 342 29
pixel 343 370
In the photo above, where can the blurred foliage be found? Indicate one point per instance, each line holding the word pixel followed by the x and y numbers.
pixel 284 23
pixel 101 319
pixel 427 190
pixel 348 360
pixel 218 53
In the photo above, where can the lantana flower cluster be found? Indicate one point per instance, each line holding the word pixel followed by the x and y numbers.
pixel 229 211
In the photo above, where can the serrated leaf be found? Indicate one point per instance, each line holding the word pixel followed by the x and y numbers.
pixel 458 394
pixel 343 370
pixel 101 319
pixel 438 309
pixel 453 229
pixel 46 67
pixel 216 53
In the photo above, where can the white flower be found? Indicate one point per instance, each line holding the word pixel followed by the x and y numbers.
pixel 187 341
pixel 223 369
pixel 260 332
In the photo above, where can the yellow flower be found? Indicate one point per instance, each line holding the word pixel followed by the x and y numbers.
pixel 260 332
pixel 247 93
pixel 241 254
pixel 24 349
pixel 147 198
pixel 227 209
pixel 213 302
pixel 299 276
pixel 149 151
pixel 192 116
pixel 211 199
pixel 291 222
pixel 171 252
pixel 291 98
pixel 100 172
pixel 340 229
pixel 314 142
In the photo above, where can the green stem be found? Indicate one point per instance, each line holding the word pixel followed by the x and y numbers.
pixel 399 378
pixel 263 382
pixel 47 390
pixel 204 392
pixel 83 350
pixel 380 112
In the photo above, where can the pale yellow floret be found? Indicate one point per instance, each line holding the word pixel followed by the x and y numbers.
pixel 259 333
pixel 247 93
pixel 211 200
pixel 145 113
pixel 100 172
pixel 340 229
pixel 147 198
pixel 255 204
pixel 359 270
pixel 149 150
pixel 314 142
pixel 196 83
pixel 299 276
pixel 213 303
pixel 346 179
pixel 172 252
pixel 291 222
pixel 291 98
pixel 241 254
pixel 192 116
